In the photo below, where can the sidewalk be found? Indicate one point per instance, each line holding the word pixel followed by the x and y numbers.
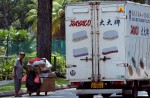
pixel 6 82
pixel 11 93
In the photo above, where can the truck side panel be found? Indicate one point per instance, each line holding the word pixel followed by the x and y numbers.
pixel 138 41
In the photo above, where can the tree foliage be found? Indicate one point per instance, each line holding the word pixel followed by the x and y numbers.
pixel 14 35
pixel 19 35
pixel 3 35
pixel 57 16
pixel 31 16
pixel 12 13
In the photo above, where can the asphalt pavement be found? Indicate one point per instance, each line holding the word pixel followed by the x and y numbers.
pixel 68 93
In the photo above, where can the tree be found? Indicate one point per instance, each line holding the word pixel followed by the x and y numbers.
pixel 44 29
pixel 14 40
pixel 59 17
pixel 32 16
pixel 6 13
pixel 12 13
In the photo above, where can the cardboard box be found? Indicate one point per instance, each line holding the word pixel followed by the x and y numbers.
pixel 48 84
pixel 52 75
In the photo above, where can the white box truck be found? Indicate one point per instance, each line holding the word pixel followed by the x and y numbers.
pixel 108 48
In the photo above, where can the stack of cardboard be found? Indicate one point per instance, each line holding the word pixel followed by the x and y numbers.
pixel 43 69
pixel 48 82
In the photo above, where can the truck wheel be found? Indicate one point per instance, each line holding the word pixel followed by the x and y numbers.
pixel 29 94
pixel 45 93
pixel 106 95
pixel 86 96
pixel 37 93
pixel 131 90
pixel 133 94
pixel 135 90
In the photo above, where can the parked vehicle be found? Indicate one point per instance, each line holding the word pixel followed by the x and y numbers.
pixel 108 48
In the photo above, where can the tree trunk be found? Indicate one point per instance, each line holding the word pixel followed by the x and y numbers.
pixel 44 30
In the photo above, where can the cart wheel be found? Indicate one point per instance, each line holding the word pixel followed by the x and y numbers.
pixel 29 94
pixel 45 93
pixel 37 94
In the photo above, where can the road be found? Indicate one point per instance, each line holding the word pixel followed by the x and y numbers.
pixel 67 93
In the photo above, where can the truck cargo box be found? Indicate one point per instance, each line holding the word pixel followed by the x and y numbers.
pixel 107 41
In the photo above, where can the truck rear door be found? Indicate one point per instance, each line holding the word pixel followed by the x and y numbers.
pixel 79 42
pixel 110 41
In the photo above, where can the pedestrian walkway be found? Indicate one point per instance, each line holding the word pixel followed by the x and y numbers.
pixel 6 82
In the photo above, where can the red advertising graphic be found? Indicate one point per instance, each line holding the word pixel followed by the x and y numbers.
pixel 134 30
pixel 80 23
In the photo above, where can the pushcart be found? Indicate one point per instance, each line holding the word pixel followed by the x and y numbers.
pixel 47 80
pixel 47 84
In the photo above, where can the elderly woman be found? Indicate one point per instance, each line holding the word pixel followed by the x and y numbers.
pixel 18 70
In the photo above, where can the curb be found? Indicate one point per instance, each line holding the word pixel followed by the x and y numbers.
pixel 11 93
pixel 59 87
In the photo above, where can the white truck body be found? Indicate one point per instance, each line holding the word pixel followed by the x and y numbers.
pixel 107 41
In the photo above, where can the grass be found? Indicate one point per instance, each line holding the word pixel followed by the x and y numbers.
pixel 60 81
pixel 10 87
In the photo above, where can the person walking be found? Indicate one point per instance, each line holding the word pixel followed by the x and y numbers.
pixel 18 72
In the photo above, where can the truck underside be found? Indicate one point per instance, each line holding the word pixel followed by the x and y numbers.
pixel 128 90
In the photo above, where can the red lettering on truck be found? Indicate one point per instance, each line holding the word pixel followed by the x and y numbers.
pixel 80 23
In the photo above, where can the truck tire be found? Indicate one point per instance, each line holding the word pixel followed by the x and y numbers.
pixel 86 96
pixel 29 94
pixel 133 87
pixel 45 93
pixel 133 95
pixel 106 95
pixel 37 93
